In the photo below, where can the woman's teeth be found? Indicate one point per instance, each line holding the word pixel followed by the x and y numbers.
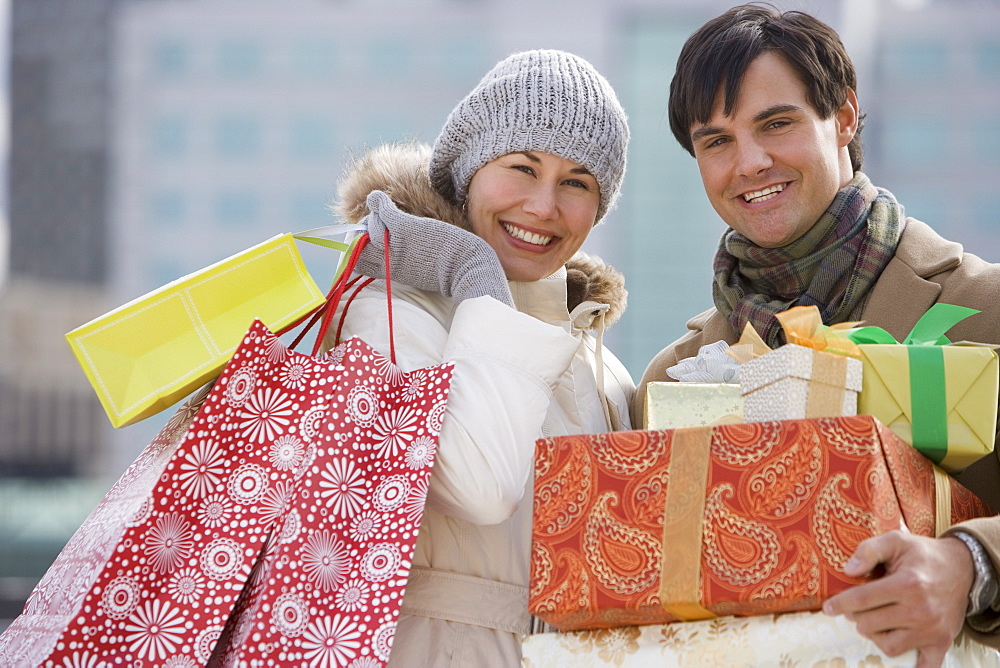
pixel 524 235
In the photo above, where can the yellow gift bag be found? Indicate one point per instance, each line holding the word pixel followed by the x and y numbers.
pixel 146 355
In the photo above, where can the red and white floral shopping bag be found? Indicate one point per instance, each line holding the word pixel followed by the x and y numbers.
pixel 283 510
pixel 58 597
pixel 329 588
pixel 166 567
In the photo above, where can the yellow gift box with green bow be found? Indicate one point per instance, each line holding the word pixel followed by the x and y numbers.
pixel 938 396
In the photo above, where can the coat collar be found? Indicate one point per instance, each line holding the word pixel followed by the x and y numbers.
pixel 921 255
pixel 544 299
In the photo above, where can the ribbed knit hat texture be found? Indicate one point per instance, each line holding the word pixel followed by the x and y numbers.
pixel 543 100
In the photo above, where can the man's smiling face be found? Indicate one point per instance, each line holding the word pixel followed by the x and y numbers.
pixel 772 168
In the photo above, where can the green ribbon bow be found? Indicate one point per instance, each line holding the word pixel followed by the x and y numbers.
pixel 929 411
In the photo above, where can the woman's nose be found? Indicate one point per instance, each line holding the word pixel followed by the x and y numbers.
pixel 541 202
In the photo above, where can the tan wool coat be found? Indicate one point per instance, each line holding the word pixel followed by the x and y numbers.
pixel 926 269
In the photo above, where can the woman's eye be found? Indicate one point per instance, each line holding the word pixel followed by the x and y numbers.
pixel 577 183
pixel 524 168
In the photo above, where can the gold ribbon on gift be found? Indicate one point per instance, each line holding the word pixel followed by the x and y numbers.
pixel 749 346
pixel 680 579
pixel 804 326
pixel 942 501
pixel 826 391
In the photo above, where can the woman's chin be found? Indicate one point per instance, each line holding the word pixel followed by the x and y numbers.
pixel 529 274
pixel 526 268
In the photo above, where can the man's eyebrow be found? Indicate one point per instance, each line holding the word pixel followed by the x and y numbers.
pixel 775 111
pixel 705 131
pixel 709 130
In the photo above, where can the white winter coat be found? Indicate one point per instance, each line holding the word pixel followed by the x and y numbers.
pixel 519 376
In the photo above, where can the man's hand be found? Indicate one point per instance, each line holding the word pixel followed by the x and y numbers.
pixel 921 600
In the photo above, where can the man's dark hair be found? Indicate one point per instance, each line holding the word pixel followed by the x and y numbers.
pixel 717 56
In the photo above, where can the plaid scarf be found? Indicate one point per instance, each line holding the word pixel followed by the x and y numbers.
pixel 833 265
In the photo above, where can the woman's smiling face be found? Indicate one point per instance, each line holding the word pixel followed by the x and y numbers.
pixel 534 209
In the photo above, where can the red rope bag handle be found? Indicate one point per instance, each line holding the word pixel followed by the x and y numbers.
pixel 343 283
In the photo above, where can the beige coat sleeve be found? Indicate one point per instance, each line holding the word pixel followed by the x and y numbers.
pixel 987 531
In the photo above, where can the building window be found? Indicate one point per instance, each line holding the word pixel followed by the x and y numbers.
pixel 390 59
pixel 237 136
pixel 382 129
pixel 464 59
pixel 167 208
pixel 313 58
pixel 164 269
pixel 984 219
pixel 918 60
pixel 237 208
pixel 916 139
pixel 240 59
pixel 170 136
pixel 986 135
pixel 987 56
pixel 922 205
pixel 170 58
pixel 310 209
pixel 312 137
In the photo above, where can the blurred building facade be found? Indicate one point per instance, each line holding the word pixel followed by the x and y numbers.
pixel 58 233
pixel 933 135
pixel 51 424
pixel 151 138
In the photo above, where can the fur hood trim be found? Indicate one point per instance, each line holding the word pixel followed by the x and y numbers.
pixel 400 170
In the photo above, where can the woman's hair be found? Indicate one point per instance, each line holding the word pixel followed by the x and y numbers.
pixel 715 58
pixel 543 100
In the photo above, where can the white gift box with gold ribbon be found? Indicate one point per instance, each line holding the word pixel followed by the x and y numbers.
pixel 794 382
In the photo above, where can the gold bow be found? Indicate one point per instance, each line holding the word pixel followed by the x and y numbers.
pixel 803 326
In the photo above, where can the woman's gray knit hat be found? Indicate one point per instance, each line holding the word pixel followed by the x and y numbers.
pixel 543 100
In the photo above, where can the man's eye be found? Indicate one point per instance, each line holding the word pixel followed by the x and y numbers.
pixel 718 141
pixel 777 125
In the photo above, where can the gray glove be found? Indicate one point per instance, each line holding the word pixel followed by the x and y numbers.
pixel 430 254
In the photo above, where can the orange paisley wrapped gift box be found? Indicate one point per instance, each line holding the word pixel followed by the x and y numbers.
pixel 650 527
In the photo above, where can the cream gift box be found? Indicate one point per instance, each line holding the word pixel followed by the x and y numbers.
pixel 672 405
